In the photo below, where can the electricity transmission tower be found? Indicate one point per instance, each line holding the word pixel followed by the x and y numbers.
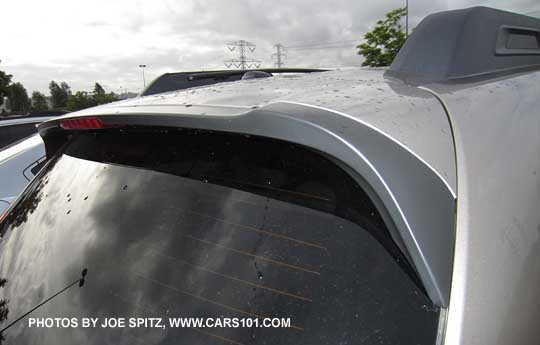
pixel 279 55
pixel 242 62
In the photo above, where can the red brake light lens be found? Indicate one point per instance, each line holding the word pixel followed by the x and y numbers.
pixel 83 123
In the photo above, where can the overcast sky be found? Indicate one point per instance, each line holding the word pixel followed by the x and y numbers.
pixel 82 42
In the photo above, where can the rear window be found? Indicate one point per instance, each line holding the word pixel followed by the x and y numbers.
pixel 205 225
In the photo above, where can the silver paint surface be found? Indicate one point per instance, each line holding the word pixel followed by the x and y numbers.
pixel 495 297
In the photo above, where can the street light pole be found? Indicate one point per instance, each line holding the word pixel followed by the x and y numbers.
pixel 407 18
pixel 144 80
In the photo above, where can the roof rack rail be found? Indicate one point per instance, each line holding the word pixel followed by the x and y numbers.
pixel 467 45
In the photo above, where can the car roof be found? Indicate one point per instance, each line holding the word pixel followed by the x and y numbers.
pixel 23 120
pixel 20 146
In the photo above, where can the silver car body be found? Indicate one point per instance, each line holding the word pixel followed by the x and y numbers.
pixel 453 167
pixel 496 279
pixel 12 121
pixel 495 266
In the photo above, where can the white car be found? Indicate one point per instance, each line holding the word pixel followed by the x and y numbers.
pixel 21 155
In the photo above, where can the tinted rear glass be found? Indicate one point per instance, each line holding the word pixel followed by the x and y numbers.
pixel 202 224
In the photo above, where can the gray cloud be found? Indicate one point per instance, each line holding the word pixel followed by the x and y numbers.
pixel 106 42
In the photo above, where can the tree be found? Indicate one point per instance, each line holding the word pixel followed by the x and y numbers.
pixel 101 97
pixel 5 81
pixel 39 102
pixel 384 41
pixel 80 100
pixel 105 98
pixel 65 88
pixel 98 89
pixel 18 98
pixel 59 94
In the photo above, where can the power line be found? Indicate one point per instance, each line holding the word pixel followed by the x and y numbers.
pixel 242 62
pixel 320 43
pixel 279 54
pixel 327 47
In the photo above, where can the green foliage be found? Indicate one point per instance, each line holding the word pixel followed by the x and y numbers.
pixel 98 89
pixel 5 81
pixel 105 98
pixel 18 98
pixel 384 41
pixel 65 87
pixel 39 102
pixel 82 99
pixel 59 94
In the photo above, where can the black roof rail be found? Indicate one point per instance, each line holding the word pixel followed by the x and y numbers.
pixel 184 80
pixel 467 45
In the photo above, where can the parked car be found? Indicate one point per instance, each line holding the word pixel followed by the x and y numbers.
pixel 22 153
pixel 15 129
pixel 369 206
pixel 19 163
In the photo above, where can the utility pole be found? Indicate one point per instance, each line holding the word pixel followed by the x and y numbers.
pixel 407 18
pixel 242 62
pixel 142 67
pixel 278 55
